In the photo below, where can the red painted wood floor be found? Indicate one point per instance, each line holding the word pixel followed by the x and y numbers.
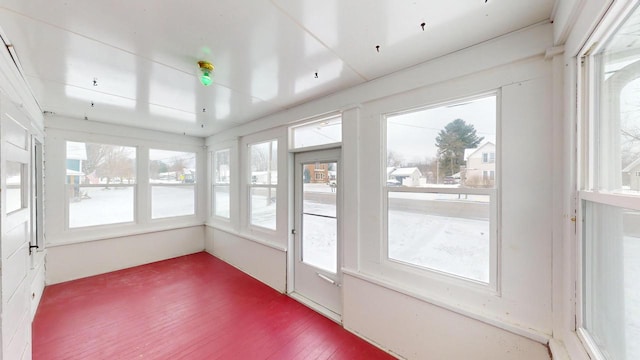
pixel 191 307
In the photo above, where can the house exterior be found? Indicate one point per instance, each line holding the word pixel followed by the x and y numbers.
pixel 406 176
pixel 481 166
pixel 317 173
pixel 633 172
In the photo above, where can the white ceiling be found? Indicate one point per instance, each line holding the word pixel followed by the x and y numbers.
pixel 144 54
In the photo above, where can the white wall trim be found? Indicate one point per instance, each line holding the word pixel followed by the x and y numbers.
pixel 447 305
pixel 145 231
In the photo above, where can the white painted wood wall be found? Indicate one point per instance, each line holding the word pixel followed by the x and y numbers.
pixel 403 313
pixel 22 275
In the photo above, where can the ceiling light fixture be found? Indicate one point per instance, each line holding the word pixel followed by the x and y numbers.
pixel 206 70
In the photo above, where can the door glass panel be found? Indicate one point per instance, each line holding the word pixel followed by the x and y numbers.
pixel 319 217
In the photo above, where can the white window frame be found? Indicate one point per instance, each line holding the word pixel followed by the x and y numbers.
pixel 587 188
pixel 493 285
pixel 270 185
pixel 135 187
pixel 194 185
pixel 214 185
pixel 488 157
pixel 278 238
pixel 311 121
pixel 58 233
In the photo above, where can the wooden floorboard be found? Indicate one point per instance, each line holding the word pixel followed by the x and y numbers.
pixel 191 307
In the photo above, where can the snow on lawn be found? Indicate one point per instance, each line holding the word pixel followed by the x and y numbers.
pixel 319 246
pixel 263 208
pixel 100 206
pixel 457 246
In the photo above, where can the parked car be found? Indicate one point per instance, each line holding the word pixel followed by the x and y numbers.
pixel 450 180
pixel 393 182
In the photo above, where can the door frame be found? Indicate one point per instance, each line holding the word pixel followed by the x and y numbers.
pixel 331 153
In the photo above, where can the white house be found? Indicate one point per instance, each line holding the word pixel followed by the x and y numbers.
pixel 406 176
pixel 480 165
pixel 633 172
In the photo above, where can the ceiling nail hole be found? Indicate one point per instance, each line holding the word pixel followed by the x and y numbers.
pixel 378 48
pixel 92 104
pixel 423 25
pixel 316 75
pixel 95 81
pixel 204 110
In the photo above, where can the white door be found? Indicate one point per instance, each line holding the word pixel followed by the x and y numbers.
pixel 16 233
pixel 317 264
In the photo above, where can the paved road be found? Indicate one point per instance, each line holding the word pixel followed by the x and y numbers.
pixel 451 208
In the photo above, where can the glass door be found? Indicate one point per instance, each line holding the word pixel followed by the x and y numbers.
pixel 317 275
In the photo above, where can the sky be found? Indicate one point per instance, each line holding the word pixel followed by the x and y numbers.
pixel 412 135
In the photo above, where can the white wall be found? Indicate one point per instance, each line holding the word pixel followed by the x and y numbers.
pixel 517 319
pixel 415 329
pixel 88 258
pixel 82 252
pixel 263 261
pixel 22 281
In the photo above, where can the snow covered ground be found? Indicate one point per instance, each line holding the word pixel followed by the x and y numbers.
pixel 263 207
pixel 443 232
pixel 100 206
pixel 453 245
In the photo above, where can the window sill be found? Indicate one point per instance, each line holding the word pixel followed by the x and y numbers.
pixel 91 235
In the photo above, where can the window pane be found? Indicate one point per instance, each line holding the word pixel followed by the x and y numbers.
pixel 221 174
pixel 327 131
pixel 90 206
pixel 221 201
pixel 443 145
pixel 263 207
pixel 100 164
pixel 14 199
pixel 319 218
pixel 443 232
pixel 619 131
pixel 264 163
pixel 170 201
pixel 612 279
pixel 172 167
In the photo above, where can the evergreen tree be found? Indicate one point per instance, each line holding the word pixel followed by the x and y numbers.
pixel 451 142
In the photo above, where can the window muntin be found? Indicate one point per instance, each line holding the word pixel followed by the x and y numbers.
pixel 263 162
pixel 434 183
pixel 321 132
pixel 101 181
pixel 15 182
pixel 221 183
pixel 610 195
pixel 172 177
